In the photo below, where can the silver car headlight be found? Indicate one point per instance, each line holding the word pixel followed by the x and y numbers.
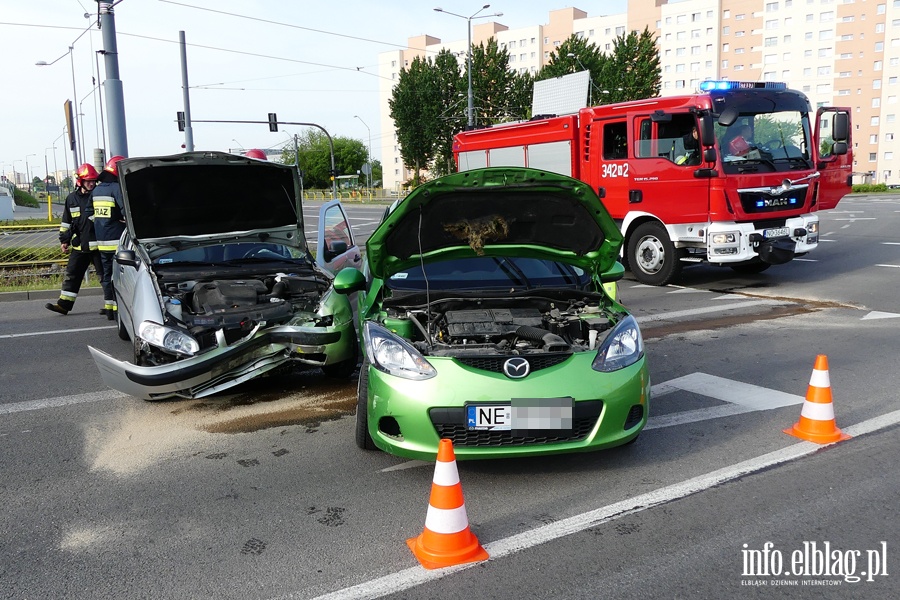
pixel 623 347
pixel 168 339
pixel 394 355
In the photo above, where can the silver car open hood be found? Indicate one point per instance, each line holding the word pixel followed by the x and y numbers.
pixel 195 198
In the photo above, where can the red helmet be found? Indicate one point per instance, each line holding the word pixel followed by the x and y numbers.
pixel 111 166
pixel 256 153
pixel 86 172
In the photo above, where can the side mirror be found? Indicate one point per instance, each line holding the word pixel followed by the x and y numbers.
pixel 841 131
pixel 709 155
pixel 348 281
pixel 615 273
pixel 336 248
pixel 127 258
pixel 707 133
pixel 839 148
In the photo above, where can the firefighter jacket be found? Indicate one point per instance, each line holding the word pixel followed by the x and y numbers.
pixel 76 227
pixel 109 215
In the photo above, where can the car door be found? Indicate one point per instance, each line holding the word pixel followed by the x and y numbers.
pixel 836 168
pixel 335 246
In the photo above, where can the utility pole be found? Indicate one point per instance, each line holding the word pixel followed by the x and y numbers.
pixel 188 130
pixel 115 99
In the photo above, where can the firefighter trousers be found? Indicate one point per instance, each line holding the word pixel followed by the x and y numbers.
pixel 79 262
pixel 109 296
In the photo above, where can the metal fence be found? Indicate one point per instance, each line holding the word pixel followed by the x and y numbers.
pixel 32 246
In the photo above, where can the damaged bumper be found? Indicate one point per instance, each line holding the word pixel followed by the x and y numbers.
pixel 225 367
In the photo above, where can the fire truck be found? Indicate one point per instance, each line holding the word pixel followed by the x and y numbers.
pixel 733 175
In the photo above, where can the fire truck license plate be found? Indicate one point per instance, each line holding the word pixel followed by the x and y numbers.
pixel 777 232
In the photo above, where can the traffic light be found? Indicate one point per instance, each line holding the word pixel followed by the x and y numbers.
pixel 273 123
pixel 181 120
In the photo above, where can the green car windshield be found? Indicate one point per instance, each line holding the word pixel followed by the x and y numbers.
pixel 490 273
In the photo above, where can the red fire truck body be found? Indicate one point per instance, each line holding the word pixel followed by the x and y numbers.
pixel 732 175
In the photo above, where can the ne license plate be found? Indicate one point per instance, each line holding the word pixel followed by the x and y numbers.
pixel 521 414
pixel 776 232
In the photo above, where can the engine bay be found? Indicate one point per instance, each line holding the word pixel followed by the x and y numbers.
pixel 457 327
pixel 236 306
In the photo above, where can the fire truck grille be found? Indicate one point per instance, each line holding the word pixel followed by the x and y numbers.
pixel 763 202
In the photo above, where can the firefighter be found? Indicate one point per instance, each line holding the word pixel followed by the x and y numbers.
pixel 109 224
pixel 76 237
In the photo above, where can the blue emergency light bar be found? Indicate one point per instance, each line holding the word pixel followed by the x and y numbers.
pixel 706 86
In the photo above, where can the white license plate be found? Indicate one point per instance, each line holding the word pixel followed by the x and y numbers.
pixel 489 417
pixel 776 232
pixel 522 414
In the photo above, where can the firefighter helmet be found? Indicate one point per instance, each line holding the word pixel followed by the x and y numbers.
pixel 255 153
pixel 112 167
pixel 85 172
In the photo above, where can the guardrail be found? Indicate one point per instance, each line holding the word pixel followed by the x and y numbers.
pixel 30 246
pixel 376 195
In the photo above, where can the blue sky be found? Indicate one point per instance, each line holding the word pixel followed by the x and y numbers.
pixel 306 61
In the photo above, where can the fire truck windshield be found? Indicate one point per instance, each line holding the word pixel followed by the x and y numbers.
pixel 767 141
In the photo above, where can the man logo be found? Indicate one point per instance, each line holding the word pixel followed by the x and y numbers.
pixel 516 367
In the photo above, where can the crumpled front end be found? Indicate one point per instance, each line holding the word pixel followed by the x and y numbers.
pixel 226 366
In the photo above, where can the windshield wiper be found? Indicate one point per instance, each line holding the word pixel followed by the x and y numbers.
pixel 261 259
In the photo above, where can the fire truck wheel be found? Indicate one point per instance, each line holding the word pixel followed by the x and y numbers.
pixel 652 257
pixel 751 267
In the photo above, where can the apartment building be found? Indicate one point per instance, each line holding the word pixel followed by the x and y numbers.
pixel 838 52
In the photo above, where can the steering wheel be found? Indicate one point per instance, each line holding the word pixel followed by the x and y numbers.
pixel 773 145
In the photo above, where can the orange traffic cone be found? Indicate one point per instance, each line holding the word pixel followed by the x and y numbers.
pixel 446 540
pixel 816 422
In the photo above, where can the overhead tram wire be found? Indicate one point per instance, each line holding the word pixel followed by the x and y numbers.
pixel 292 26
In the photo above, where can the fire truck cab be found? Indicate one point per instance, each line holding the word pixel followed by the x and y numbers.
pixel 732 175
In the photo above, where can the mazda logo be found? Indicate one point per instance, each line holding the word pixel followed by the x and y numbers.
pixel 516 367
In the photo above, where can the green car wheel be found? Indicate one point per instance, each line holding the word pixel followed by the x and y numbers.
pixel 363 439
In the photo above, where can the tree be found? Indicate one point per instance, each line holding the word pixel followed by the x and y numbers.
pixel 492 83
pixel 414 105
pixel 633 71
pixel 315 157
pixel 451 94
pixel 587 56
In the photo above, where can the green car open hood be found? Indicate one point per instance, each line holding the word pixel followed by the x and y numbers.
pixel 502 211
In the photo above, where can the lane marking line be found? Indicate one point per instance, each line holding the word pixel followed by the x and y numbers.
pixel 706 310
pixel 890 266
pixel 417 575
pixel 54 332
pixel 877 314
pixel 16 407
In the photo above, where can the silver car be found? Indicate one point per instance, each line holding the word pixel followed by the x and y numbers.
pixel 215 282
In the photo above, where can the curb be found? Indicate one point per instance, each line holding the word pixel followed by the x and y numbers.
pixel 45 294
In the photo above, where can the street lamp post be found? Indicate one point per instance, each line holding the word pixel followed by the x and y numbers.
pixel 28 172
pixel 470 114
pixel 44 63
pixel 369 157
pixel 15 175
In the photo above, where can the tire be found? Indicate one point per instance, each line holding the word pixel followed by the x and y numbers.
pixel 363 439
pixel 751 267
pixel 652 257
pixel 123 333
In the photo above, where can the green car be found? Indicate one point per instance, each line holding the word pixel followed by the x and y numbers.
pixel 485 318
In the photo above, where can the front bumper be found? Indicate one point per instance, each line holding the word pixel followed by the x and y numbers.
pixel 225 367
pixel 750 243
pixel 408 418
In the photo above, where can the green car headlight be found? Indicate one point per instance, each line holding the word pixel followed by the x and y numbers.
pixel 394 355
pixel 623 346
pixel 168 339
